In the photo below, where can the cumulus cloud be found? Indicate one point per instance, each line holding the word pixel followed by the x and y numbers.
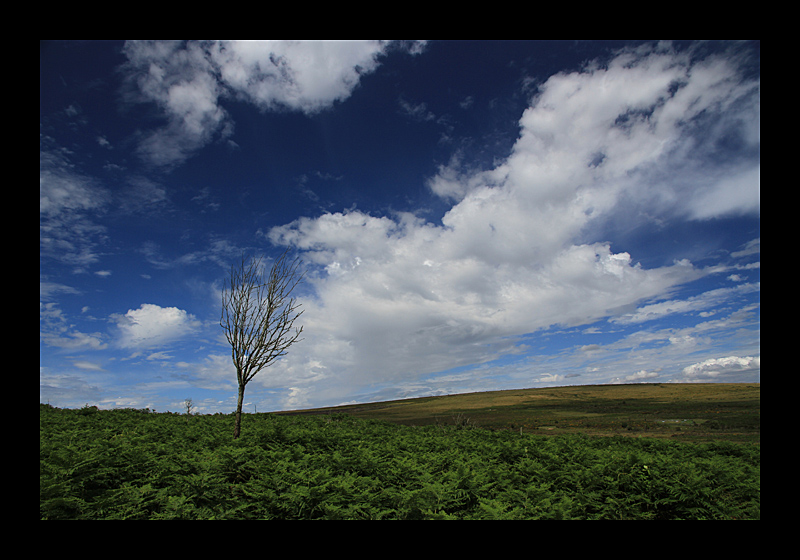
pixel 716 367
pixel 152 326
pixel 648 125
pixel 305 76
pixel 188 81
pixel 515 253
pixel 410 296
pixel 180 80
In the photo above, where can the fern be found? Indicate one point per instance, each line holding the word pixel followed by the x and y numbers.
pixel 134 465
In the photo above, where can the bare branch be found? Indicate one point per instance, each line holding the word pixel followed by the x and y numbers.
pixel 258 316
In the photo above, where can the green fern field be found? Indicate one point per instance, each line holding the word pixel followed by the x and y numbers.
pixel 132 464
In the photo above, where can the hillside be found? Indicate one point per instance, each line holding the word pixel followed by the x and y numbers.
pixel 691 411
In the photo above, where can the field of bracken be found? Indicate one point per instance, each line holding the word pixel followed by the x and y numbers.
pixel 136 464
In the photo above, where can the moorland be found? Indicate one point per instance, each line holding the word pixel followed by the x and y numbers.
pixel 684 411
pixel 655 451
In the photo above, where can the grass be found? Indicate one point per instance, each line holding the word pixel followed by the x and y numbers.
pixel 694 412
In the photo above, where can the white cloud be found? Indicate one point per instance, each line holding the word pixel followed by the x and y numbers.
pixel 47 290
pixel 216 372
pixel 416 111
pixel 72 389
pixel 715 367
pixel 151 326
pixel 639 127
pixel 188 81
pixel 403 297
pixel 407 296
pixel 180 80
pixel 295 399
pixel 700 302
pixel 87 365
pixel 750 248
pixel 72 340
pixel 67 199
pixel 637 377
pixel 305 76
pixel 740 194
pixel 550 378
pixel 62 190
pixel 56 331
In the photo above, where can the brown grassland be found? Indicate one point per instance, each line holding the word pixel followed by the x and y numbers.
pixel 694 412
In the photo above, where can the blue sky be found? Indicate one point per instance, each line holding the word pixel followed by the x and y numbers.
pixel 472 215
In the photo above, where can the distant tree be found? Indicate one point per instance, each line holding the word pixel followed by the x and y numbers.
pixel 258 316
pixel 189 405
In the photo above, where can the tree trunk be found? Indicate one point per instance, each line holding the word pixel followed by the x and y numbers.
pixel 237 428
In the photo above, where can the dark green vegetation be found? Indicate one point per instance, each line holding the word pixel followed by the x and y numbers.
pixel 132 464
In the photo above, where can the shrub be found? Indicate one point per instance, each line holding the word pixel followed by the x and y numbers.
pixel 127 465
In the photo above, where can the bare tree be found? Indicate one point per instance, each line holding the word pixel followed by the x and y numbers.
pixel 258 317
pixel 188 405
